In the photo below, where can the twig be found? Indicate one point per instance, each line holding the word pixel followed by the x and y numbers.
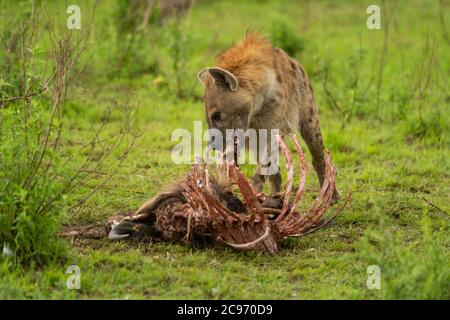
pixel 147 13
pixel 114 188
pixel 442 20
pixel 330 97
pixel 435 206
pixel 383 53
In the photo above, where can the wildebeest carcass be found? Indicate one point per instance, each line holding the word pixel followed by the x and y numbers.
pixel 198 207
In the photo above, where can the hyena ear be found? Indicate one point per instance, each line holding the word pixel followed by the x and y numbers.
pixel 203 75
pixel 223 77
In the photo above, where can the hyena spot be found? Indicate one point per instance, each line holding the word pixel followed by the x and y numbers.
pixel 294 65
pixel 303 72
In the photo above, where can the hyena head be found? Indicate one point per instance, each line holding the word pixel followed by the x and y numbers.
pixel 227 105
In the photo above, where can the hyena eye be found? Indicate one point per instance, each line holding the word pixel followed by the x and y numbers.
pixel 215 116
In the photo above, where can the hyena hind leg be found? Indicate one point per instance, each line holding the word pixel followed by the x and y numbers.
pixel 310 131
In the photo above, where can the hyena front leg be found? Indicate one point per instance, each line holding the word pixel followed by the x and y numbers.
pixel 268 169
pixel 274 180
pixel 258 180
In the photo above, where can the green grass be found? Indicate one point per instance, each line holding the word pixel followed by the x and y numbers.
pixel 388 156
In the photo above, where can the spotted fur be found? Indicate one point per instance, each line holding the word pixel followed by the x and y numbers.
pixel 255 85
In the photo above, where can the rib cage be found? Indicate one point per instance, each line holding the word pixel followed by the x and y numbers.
pixel 255 230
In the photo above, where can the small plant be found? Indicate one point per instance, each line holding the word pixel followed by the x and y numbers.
pixel 286 38
pixel 411 269
pixel 429 126
pixel 178 43
pixel 134 22
pixel 425 120
pixel 139 24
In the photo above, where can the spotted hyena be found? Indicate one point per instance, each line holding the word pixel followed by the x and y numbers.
pixel 255 85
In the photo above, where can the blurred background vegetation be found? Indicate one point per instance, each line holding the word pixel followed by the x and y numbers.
pixel 85 123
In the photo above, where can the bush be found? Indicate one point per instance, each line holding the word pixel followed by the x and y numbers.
pixel 31 202
pixel 36 171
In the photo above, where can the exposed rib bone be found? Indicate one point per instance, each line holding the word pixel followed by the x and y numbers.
pixel 290 171
pixel 249 244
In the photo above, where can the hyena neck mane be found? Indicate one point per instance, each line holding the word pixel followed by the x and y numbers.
pixel 251 61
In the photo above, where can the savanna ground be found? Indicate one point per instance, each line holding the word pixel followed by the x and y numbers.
pixel 384 108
